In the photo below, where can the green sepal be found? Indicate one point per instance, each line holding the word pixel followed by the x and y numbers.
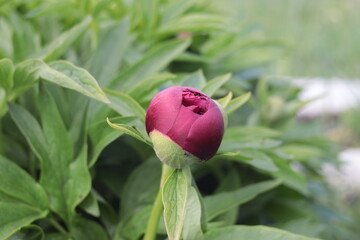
pixel 171 153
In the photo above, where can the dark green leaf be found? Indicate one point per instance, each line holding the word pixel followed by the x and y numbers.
pixel 84 229
pixel 22 200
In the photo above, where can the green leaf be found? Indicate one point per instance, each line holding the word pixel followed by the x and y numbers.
pixel 236 138
pixel 58 46
pixel 291 178
pixel 68 75
pixel 237 102
pixel 3 106
pixel 30 232
pixel 91 205
pixel 254 158
pixel 174 195
pixel 22 200
pixel 174 10
pixel 195 23
pixel 125 105
pixel 26 75
pixel 222 202
pixel 64 176
pixel 214 84
pixel 225 100
pixel 253 131
pixel 84 229
pixel 196 80
pixel 139 193
pixel 130 131
pixel 6 73
pixel 144 88
pixel 136 225
pixel 154 61
pixel 106 59
pixel 31 129
pixel 192 222
pixel 101 135
pixel 55 166
pixel 252 232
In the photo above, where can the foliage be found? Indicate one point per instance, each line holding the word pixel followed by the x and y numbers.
pixel 69 68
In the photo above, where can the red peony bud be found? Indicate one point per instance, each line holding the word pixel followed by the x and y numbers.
pixel 185 126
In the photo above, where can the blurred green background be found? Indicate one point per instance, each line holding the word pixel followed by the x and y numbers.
pixel 322 36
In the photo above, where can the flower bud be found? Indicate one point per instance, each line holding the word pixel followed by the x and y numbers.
pixel 184 125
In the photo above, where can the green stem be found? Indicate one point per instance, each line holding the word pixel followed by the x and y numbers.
pixel 59 227
pixel 157 208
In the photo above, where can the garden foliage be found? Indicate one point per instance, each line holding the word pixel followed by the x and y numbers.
pixel 67 173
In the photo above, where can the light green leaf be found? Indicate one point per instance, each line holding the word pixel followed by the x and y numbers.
pixel 252 233
pixel 68 75
pixel 101 135
pixel 291 178
pixel 222 202
pixel 6 73
pixel 130 131
pixel 196 80
pixel 225 100
pixel 174 195
pixel 192 222
pixel 84 229
pixel 58 46
pixel 174 10
pixel 106 59
pixel 254 158
pixel 236 138
pixel 144 88
pixel 3 106
pixel 214 84
pixel 26 74
pixel 22 200
pixel 154 61
pixel 253 131
pixel 237 102
pixel 125 105
pixel 195 23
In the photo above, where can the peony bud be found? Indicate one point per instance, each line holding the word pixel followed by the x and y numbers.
pixel 185 126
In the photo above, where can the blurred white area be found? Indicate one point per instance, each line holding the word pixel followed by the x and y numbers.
pixel 346 179
pixel 332 96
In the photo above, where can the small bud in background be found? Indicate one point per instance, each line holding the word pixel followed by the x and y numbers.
pixel 185 126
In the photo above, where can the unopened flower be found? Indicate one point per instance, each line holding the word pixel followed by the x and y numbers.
pixel 185 126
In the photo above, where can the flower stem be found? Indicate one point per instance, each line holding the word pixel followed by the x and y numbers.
pixel 157 208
